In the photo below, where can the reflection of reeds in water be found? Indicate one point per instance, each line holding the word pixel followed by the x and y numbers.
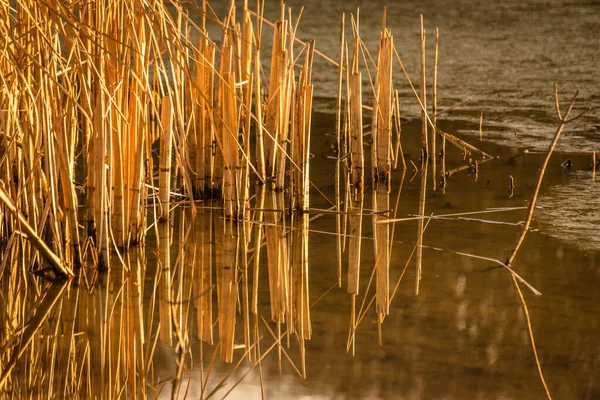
pixel 277 256
pixel 421 223
pixel 381 206
pixel 81 342
pixel 226 254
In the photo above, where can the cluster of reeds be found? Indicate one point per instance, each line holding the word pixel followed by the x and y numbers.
pixel 387 153
pixel 87 90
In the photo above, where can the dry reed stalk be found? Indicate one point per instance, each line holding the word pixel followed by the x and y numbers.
pixel 286 109
pixel 357 162
pixel 65 142
pixel 228 117
pixel 399 152
pixel 276 97
pixel 434 111
pixel 259 154
pixel 424 117
pixel 178 82
pixel 166 145
pixel 247 81
pixel 117 86
pixel 338 136
pixel 229 110
pixel 343 154
pixel 138 132
pixel 481 127
pixel 381 204
pixel 301 133
pixel 355 131
pixel 382 110
pixel 204 86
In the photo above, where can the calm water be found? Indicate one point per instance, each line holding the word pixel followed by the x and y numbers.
pixel 507 56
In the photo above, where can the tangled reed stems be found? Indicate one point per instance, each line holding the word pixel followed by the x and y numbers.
pixel 113 115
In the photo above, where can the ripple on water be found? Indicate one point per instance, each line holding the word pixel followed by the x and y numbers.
pixel 571 211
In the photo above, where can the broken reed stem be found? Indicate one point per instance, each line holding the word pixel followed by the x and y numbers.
pixel 33 238
pixel 434 111
pixel 398 122
pixel 382 110
pixel 166 145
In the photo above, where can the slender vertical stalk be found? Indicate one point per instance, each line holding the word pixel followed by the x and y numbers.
pixel 338 145
pixel 424 141
pixel 434 111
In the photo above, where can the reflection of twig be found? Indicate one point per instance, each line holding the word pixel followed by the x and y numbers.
pixel 530 331
pixel 447 216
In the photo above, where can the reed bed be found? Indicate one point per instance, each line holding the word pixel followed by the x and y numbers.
pixel 126 133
